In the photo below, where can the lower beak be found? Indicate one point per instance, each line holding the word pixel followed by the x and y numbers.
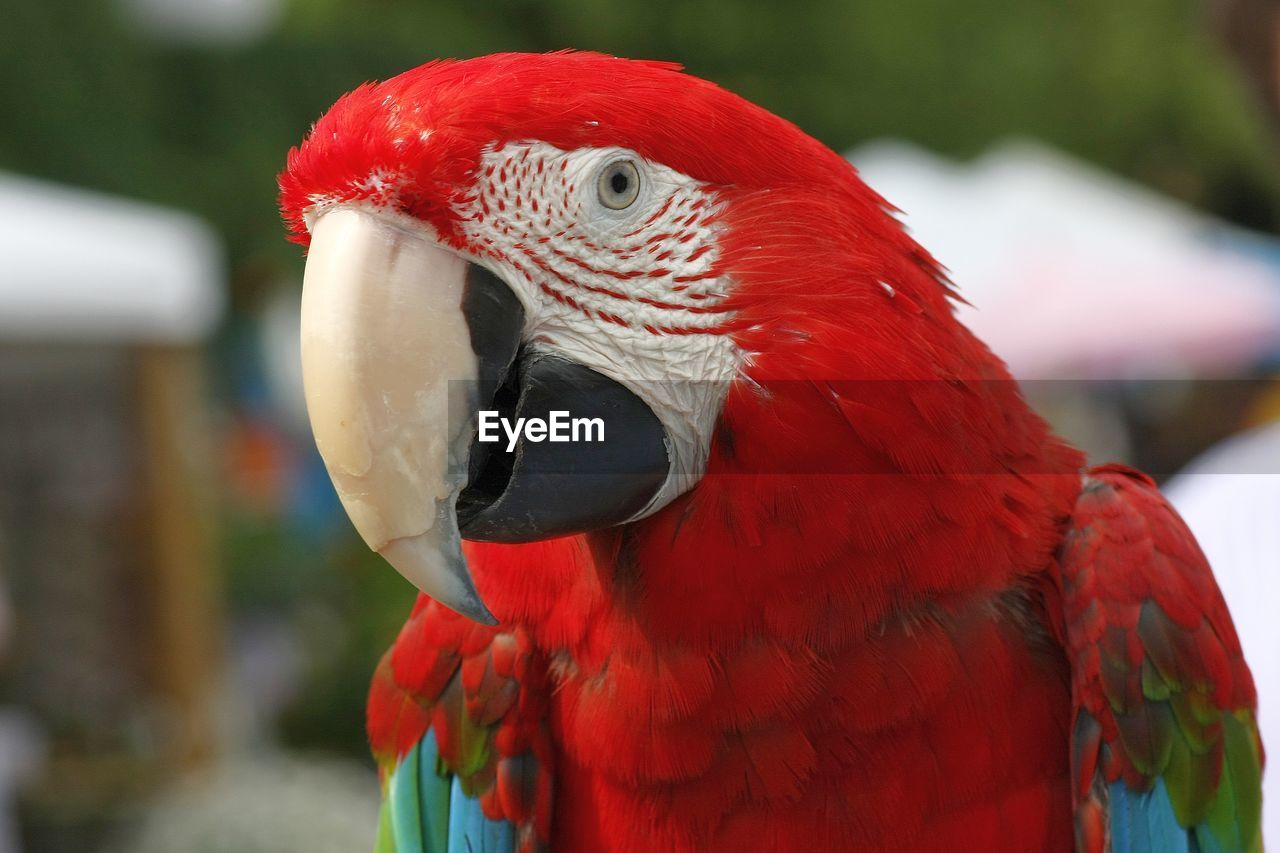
pixel 387 368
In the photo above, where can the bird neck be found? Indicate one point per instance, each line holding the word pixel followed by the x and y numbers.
pixel 846 501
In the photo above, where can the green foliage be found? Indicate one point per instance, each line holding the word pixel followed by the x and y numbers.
pixel 1139 86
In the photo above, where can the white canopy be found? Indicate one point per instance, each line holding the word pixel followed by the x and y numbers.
pixel 1075 273
pixel 77 266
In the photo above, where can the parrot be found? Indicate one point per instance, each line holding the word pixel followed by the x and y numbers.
pixel 820 580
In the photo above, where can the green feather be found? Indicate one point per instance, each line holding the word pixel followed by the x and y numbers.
pixel 473 749
pixel 406 806
pixel 1246 775
pixel 1200 734
pixel 1153 686
pixel 1233 821
pixel 1222 818
pixel 1187 792
pixel 416 803
pixel 472 740
pixel 385 842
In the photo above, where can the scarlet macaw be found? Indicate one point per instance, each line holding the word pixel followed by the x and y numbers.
pixel 826 584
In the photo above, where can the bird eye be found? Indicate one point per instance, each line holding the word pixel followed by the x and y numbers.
pixel 618 185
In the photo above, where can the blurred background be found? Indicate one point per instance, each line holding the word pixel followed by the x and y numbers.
pixel 188 622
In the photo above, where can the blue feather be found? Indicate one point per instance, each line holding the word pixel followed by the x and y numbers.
pixel 1144 822
pixel 434 795
pixel 427 812
pixel 1162 825
pixel 1118 807
pixel 471 832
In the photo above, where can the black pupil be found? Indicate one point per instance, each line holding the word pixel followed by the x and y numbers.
pixel 619 182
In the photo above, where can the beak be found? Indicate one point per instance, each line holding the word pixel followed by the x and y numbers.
pixel 386 357
pixel 403 344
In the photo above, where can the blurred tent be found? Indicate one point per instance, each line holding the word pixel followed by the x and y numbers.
pixel 1072 272
pixel 83 267
pixel 106 537
pixel 225 22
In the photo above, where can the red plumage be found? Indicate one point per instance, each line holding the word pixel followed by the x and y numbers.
pixel 858 631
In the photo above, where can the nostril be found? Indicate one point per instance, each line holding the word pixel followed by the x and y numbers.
pixel 410 204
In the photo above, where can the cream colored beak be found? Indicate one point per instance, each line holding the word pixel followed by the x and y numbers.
pixel 386 358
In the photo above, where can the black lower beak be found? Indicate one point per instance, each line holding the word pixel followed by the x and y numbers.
pixel 613 462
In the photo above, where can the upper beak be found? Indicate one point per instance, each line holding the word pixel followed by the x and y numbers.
pixel 387 367
pixel 403 342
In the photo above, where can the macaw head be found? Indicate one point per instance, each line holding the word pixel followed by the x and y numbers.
pixel 675 270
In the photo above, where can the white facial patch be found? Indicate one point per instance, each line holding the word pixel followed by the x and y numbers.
pixel 632 293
